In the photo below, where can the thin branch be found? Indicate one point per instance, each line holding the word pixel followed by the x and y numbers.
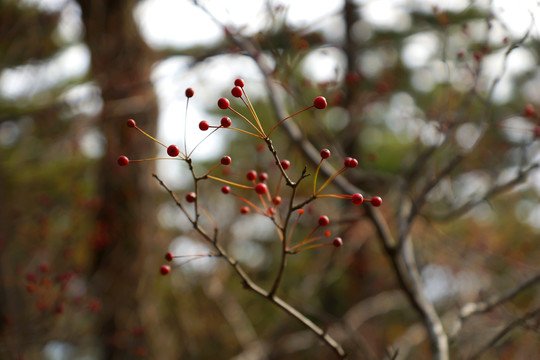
pixel 507 329
pixel 253 287
pixel 495 190
pixel 405 222
pixel 491 303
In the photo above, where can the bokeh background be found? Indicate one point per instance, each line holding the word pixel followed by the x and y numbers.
pixel 411 86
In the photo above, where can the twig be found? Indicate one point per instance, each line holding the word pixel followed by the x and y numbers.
pixel 253 287
pixel 488 305
pixel 495 190
pixel 505 331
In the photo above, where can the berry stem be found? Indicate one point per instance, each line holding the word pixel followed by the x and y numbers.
pixel 154 159
pixel 329 181
pixel 308 238
pixel 311 247
pixel 200 142
pixel 288 117
pixel 210 171
pixel 250 204
pixel 253 112
pixel 245 132
pixel 337 196
pixel 261 134
pixel 208 216
pixel 229 182
pixel 150 137
pixel 315 177
pixel 185 128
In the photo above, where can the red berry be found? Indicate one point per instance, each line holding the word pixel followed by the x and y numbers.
pixel 251 175
pixel 223 103
pixel 239 82
pixel 122 160
pixel 357 199
pixel 165 269
pixel 31 277
pixel 44 268
pixel 325 153
pixel 245 210
pixel 285 164
pixel 376 201
pixel 320 102
pixel 276 200
pixel 173 151
pixel 58 309
pixel 477 56
pixel 190 197
pixel 350 162
pixel 324 220
pixel 131 123
pixel 94 305
pixel 236 91
pixel 460 54
pixel 41 305
pixel 169 256
pixel 226 160
pixel 203 125
pixel 337 242
pixel 189 92
pixel 529 111
pixel 226 122
pixel 263 177
pixel 261 188
pixel 225 189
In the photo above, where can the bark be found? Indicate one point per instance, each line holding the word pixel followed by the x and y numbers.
pixel 121 65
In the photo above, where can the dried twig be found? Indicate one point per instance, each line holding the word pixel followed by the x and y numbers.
pixel 475 308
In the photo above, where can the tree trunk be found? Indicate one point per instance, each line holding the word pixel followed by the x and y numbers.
pixel 121 65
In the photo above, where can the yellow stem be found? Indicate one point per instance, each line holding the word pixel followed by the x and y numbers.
pixel 230 182
pixel 249 122
pixel 314 246
pixel 150 137
pixel 245 132
pixel 208 216
pixel 254 114
pixel 330 180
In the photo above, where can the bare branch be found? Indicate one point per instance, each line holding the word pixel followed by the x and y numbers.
pixel 511 326
pixel 491 303
pixel 495 190
pixel 253 287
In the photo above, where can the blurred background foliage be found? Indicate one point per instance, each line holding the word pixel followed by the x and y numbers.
pixel 82 239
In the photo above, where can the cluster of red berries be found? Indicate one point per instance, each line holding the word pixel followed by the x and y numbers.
pixel 49 290
pixel 268 199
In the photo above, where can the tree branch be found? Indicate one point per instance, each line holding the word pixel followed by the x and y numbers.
pixel 492 302
pixel 511 326
pixel 253 287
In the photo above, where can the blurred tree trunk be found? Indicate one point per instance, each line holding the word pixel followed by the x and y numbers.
pixel 121 65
